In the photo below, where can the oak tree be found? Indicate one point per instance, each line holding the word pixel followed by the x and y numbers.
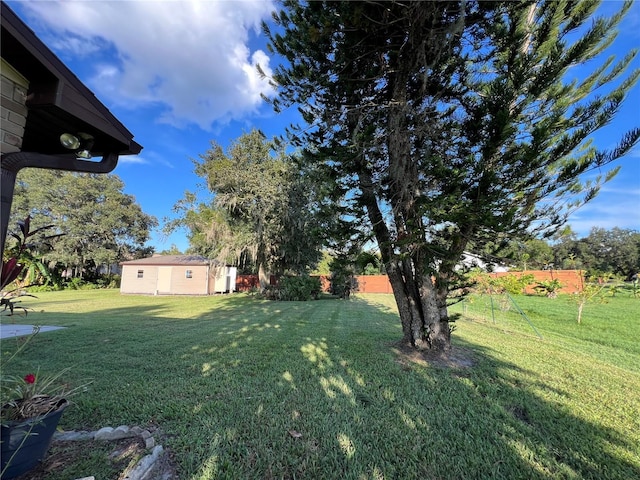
pixel 100 225
pixel 258 208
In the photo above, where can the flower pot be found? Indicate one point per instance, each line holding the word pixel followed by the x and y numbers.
pixel 25 443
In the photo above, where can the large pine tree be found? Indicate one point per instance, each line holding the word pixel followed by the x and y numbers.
pixel 452 123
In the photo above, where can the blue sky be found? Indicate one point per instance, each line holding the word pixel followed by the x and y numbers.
pixel 179 74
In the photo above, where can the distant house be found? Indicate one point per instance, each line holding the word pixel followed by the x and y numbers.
pixel 471 260
pixel 177 275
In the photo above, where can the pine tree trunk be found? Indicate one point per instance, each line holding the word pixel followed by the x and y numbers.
pixel 423 315
pixel 434 300
pixel 409 310
pixel 421 304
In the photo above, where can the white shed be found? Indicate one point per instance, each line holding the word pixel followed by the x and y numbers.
pixel 177 275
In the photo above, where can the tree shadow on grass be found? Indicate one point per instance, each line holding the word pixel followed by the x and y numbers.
pixel 531 437
pixel 252 389
pixel 350 403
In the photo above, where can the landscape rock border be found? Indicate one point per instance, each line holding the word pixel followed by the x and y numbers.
pixel 150 467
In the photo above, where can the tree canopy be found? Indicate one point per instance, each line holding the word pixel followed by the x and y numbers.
pixel 259 208
pixel 615 251
pixel 100 224
pixel 451 122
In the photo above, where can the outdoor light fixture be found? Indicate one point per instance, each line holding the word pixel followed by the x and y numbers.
pixel 69 141
pixel 82 144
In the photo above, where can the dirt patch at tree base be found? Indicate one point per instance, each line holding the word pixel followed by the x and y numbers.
pixel 456 357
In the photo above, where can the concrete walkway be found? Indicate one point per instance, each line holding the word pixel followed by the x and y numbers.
pixel 11 330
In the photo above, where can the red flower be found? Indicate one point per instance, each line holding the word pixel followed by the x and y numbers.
pixel 30 378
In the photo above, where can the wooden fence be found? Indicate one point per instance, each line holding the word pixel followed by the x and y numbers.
pixel 244 283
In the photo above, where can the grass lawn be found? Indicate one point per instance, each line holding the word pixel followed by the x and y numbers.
pixel 244 388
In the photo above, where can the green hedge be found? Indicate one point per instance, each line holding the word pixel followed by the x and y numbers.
pixel 291 289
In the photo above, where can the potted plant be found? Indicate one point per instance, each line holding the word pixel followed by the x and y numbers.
pixel 31 404
pixel 31 407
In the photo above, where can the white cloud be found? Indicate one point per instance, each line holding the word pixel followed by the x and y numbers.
pixel 627 192
pixel 612 208
pixel 190 57
pixel 132 160
pixel 78 46
pixel 148 158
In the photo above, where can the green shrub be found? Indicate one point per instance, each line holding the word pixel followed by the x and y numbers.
pixel 45 288
pixel 549 288
pixel 291 289
pixel 75 283
pixel 272 292
pixel 112 281
pixel 486 284
pixel 513 284
pixel 115 282
pixel 342 284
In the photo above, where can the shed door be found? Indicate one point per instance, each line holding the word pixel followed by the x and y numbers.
pixel 164 279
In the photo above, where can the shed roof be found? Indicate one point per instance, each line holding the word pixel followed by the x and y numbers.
pixel 163 260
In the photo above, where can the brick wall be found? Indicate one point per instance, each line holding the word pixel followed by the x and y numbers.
pixel 13 115
pixel 373 284
pixel 366 283
pixel 570 279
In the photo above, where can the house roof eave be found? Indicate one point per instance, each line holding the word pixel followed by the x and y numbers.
pixel 57 100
